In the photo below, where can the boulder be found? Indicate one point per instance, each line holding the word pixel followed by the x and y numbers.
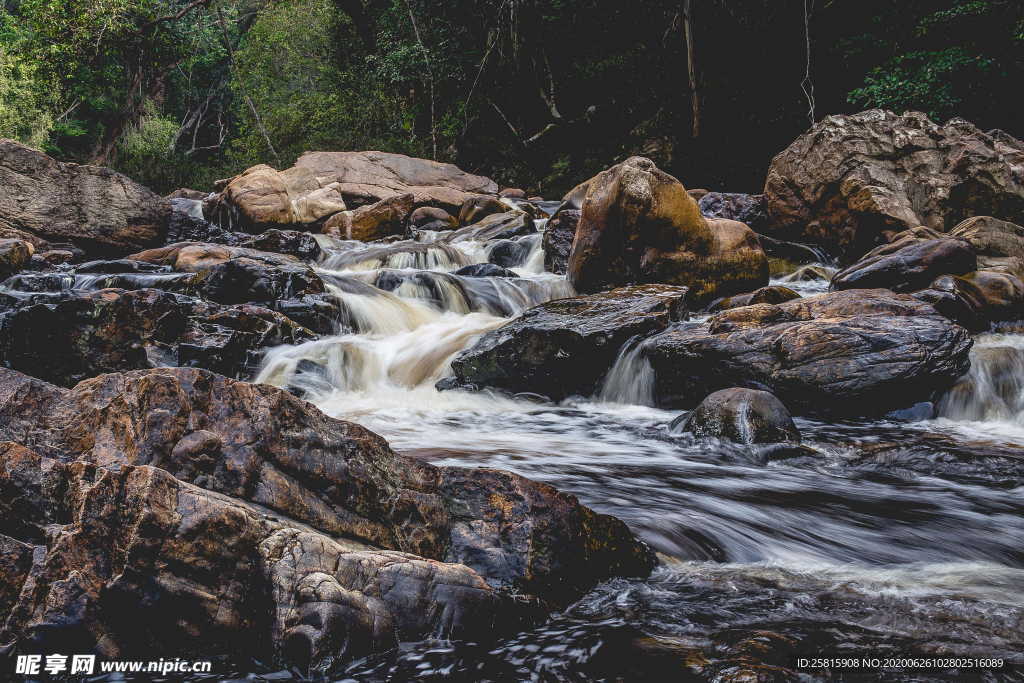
pixel 261 445
pixel 1001 294
pixel 853 180
pixel 508 253
pixel 512 193
pixel 907 265
pixel 854 352
pixel 958 300
pixel 475 209
pixel 736 206
pixel 740 415
pixel 376 221
pixel 200 257
pixel 558 237
pixel 244 280
pixel 301 245
pixel 998 244
pixel 432 218
pixel 368 177
pixel 95 208
pixel 496 226
pixel 773 294
pixel 14 255
pixel 698 193
pixel 262 197
pixel 114 330
pixel 484 270
pixel 811 273
pixel 638 225
pixel 566 346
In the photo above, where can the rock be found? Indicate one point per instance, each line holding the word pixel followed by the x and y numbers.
pixel 484 270
pixel 745 208
pixel 512 193
pixel 244 280
pixel 558 237
pixel 639 225
pixel 998 244
pixel 262 197
pixel 907 265
pixel 432 218
pixel 740 415
pixel 301 245
pixel 787 257
pixel 854 352
pixel 97 209
pixel 475 209
pixel 1001 294
pixel 698 193
pixel 810 273
pixel 368 177
pixel 773 294
pixel 496 226
pixel 956 299
pixel 373 222
pixel 114 330
pixel 566 346
pixel 56 257
pixel 131 560
pixel 260 444
pixel 14 255
pixel 508 253
pixel 854 179
pixel 200 257
pixel 186 193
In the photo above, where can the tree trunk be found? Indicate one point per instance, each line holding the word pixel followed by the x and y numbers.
pixel 691 65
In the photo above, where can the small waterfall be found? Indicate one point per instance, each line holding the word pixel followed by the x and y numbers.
pixel 993 389
pixel 435 255
pixel 631 379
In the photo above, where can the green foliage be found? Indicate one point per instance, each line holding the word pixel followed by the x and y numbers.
pixel 25 105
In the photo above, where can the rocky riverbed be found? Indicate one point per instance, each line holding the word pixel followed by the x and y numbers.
pixel 369 418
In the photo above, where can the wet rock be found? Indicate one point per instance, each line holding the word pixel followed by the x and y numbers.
pixel 301 245
pixel 786 257
pixel 957 299
pixel 566 346
pixel 558 237
pixel 993 389
pixel 512 193
pixel 855 352
pixel 475 209
pixel 113 330
pixel 123 265
pixel 773 294
pixel 200 257
pixel 97 209
pixel 1001 295
pixel 181 227
pixel 484 270
pixel 508 253
pixel 496 226
pixel 56 257
pixel 639 225
pixel 386 218
pixel 749 209
pixel 432 218
pixel 262 445
pixel 368 177
pixel 244 280
pixel 907 265
pixel 187 193
pixel 740 415
pixel 14 255
pixel 810 274
pixel 998 244
pixel 853 180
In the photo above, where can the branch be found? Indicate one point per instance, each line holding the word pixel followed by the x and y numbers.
pixel 177 15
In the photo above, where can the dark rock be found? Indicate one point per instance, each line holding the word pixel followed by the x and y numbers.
pixel 432 218
pixel 750 209
pixel 114 330
pixel 853 180
pixel 998 244
pixel 740 415
pixel 243 280
pixel 508 253
pixel 907 265
pixel 496 226
pixel 558 237
pixel 484 270
pixel 856 352
pixel 566 346
pixel 123 265
pixel 639 225
pixel 182 227
pixel 97 209
pixel 295 243
pixel 773 294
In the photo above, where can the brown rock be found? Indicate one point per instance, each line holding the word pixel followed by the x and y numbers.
pixel 385 218
pixel 475 209
pixel 93 207
pixel 432 218
pixel 639 225
pixel 773 294
pixel 998 244
pixel 851 179
pixel 14 255
pixel 264 197
pixel 512 193
pixel 908 264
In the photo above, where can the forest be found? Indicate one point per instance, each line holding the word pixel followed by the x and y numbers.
pixel 539 95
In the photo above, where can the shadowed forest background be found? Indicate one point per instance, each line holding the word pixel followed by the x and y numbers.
pixel 539 95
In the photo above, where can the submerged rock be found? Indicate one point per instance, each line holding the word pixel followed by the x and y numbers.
pixel 740 415
pixel 855 352
pixel 853 180
pixel 566 346
pixel 95 208
pixel 639 225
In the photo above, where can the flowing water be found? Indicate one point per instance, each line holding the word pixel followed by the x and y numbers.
pixel 895 540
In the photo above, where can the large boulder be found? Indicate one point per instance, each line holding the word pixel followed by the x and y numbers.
pixel 85 334
pixel 262 445
pixel 376 221
pixel 741 415
pixel 566 346
pixel 854 352
pixel 853 180
pixel 998 244
pixel 95 208
pixel 638 225
pixel 262 197
pixel 907 265
pixel 368 177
